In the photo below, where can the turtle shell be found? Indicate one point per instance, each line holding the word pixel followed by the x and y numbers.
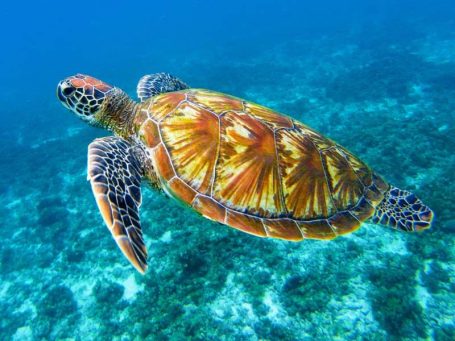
pixel 253 169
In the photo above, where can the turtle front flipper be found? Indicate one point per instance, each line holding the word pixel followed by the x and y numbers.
pixel 403 211
pixel 115 174
pixel 158 83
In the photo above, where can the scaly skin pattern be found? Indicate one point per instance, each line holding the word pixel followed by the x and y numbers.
pixel 98 103
pixel 83 94
pixel 248 167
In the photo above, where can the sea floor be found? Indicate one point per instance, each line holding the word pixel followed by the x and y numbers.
pixel 62 276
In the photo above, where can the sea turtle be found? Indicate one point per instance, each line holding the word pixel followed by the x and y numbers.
pixel 233 161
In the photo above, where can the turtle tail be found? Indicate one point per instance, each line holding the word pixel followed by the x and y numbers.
pixel 403 211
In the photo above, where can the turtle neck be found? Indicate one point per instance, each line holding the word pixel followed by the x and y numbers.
pixel 117 113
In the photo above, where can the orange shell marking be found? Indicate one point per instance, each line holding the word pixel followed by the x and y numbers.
pixel 268 116
pixel 161 106
pixel 253 169
pixel 192 135
pixel 306 192
pixel 344 183
pixel 247 170
pixel 215 102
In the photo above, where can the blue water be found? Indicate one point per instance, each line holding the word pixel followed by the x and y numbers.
pixel 376 76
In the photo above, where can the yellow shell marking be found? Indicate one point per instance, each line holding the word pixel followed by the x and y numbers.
pixel 247 173
pixel 191 135
pixel 249 167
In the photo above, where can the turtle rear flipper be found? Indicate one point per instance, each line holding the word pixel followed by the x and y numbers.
pixel 403 211
pixel 115 175
pixel 158 83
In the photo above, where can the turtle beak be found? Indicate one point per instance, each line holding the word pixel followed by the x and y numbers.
pixel 64 88
pixel 59 91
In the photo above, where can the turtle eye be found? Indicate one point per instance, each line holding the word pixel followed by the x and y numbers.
pixel 68 91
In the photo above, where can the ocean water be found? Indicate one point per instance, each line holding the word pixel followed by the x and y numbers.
pixel 376 76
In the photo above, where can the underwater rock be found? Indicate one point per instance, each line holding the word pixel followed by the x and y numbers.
pixel 58 302
pixel 192 264
pixel 57 314
pixel 436 278
pixel 393 298
pixel 107 293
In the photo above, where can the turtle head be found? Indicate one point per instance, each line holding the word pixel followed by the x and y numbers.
pixel 84 95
